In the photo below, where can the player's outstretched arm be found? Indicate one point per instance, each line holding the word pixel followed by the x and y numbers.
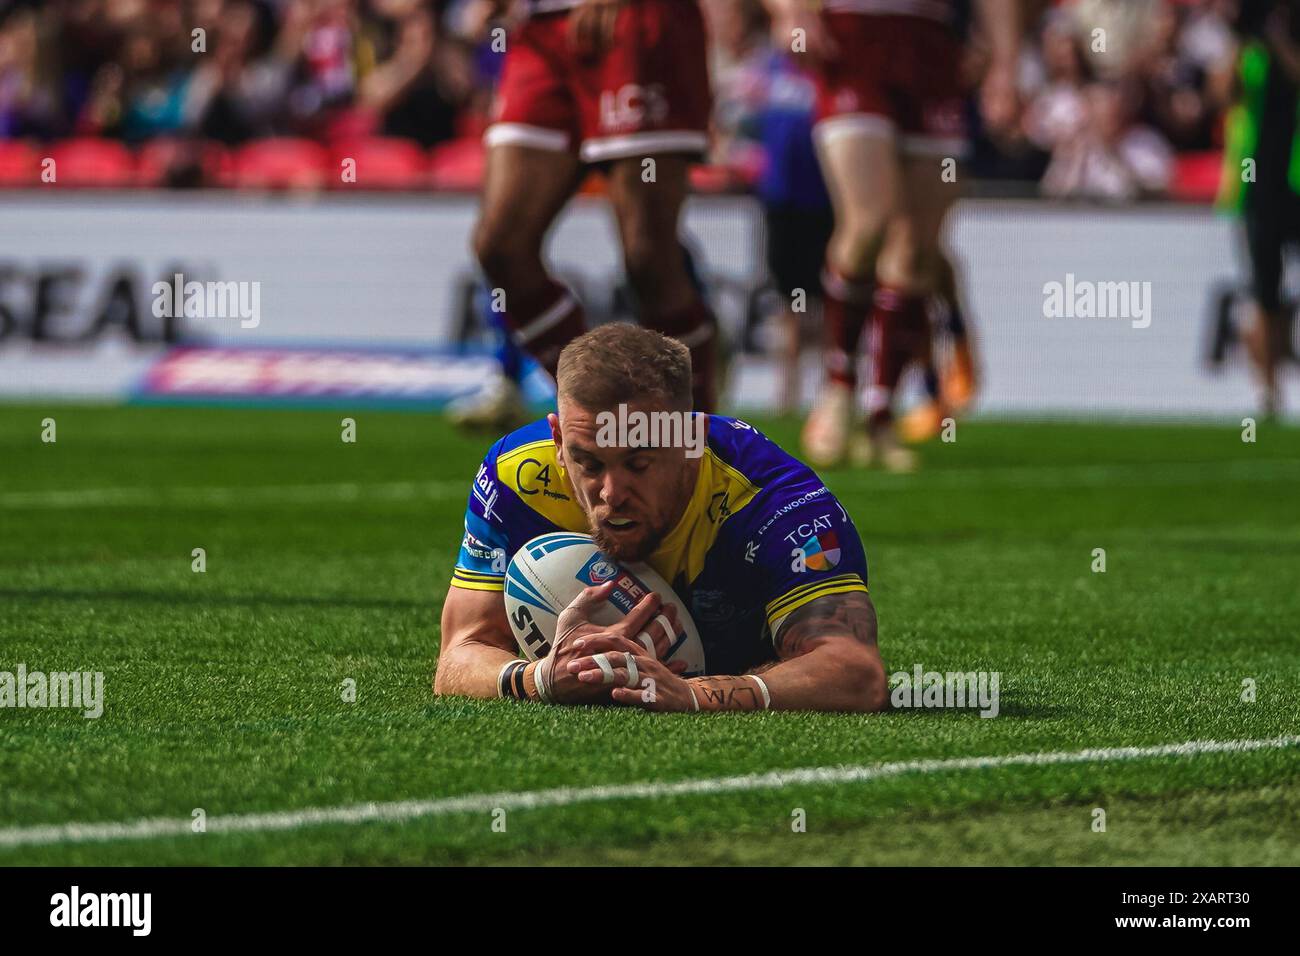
pixel 476 643
pixel 829 658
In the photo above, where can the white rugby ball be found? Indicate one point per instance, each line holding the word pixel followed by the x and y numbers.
pixel 552 569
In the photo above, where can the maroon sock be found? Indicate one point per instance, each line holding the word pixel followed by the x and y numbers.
pixel 845 306
pixel 697 329
pixel 898 332
pixel 545 323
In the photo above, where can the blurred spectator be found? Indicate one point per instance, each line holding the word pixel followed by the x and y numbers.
pixel 29 102
pixel 1109 156
pixel 764 107
pixel 1057 112
pixel 1113 33
pixel 1175 82
pixel 424 70
pixel 239 87
pixel 421 87
pixel 141 92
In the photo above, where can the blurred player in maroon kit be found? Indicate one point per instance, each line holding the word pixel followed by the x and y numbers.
pixel 889 133
pixel 605 83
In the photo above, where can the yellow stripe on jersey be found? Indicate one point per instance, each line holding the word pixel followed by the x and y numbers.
pixel 796 598
pixel 477 575
pixel 720 491
pixel 777 604
pixel 533 471
pixel 475 581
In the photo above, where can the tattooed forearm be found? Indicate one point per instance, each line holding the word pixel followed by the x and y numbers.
pixel 727 693
pixel 846 615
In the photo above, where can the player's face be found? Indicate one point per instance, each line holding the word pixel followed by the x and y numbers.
pixel 632 496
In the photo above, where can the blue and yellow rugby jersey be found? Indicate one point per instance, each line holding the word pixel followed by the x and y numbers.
pixel 761 537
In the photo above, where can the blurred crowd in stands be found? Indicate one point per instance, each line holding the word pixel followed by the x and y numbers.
pixel 1119 99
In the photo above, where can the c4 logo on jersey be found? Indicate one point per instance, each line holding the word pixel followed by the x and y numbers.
pixel 526 482
pixel 720 506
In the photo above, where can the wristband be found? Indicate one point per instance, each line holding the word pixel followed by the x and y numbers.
pixel 510 680
pixel 539 676
pixel 762 686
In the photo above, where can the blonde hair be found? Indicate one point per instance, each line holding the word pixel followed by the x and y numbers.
pixel 619 362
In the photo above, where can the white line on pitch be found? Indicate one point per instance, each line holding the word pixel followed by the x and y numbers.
pixel 564 796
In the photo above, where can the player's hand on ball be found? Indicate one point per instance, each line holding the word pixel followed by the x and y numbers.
pixel 659 686
pixel 633 671
pixel 578 638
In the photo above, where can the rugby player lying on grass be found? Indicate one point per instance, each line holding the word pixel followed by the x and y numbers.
pixel 753 543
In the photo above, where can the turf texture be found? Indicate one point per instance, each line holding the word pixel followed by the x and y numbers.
pixel 327 562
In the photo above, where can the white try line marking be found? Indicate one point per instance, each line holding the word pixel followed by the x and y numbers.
pixel 403 810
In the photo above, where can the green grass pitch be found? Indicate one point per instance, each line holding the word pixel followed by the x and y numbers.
pixel 328 561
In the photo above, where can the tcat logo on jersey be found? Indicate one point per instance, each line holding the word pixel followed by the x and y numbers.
pixel 808 529
pixel 820 552
pixel 631 105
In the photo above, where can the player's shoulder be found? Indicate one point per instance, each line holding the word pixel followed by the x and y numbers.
pixel 745 449
pixel 521 438
pixel 524 466
pixel 783 486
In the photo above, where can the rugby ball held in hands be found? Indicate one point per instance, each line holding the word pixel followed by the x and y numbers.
pixel 552 569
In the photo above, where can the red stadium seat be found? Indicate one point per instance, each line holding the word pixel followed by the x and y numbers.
pixel 458 165
pixel 1196 177
pixel 381 163
pixel 163 161
pixel 282 164
pixel 20 165
pixel 94 163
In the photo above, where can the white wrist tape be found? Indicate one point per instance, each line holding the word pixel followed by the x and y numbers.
pixel 539 679
pixel 762 686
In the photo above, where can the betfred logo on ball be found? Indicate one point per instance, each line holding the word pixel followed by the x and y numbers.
pixel 628 590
